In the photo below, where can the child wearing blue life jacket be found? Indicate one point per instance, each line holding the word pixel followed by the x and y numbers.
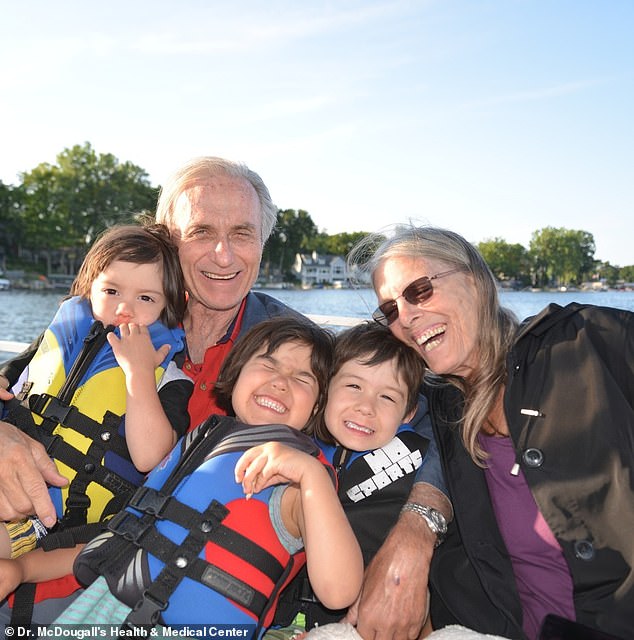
pixel 100 388
pixel 236 509
pixel 364 433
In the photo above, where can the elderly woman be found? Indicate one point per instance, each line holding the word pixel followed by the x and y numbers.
pixel 535 423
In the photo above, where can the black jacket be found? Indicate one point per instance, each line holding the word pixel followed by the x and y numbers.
pixel 574 366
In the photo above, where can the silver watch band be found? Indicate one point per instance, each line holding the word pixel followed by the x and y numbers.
pixel 434 519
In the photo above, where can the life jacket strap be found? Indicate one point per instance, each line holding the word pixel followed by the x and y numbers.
pixel 182 560
pixel 67 538
pixel 152 502
pixel 55 412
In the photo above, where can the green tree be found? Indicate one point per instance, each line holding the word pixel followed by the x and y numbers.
pixel 11 229
pixel 338 244
pixel 506 261
pixel 68 204
pixel 562 256
pixel 609 273
pixel 627 273
pixel 293 233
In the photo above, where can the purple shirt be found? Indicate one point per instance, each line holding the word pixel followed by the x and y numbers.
pixel 541 573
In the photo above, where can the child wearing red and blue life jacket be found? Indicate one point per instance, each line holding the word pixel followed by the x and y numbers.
pixel 237 508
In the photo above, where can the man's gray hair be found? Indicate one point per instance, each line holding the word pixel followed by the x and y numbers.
pixel 199 169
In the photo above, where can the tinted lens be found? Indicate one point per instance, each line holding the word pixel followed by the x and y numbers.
pixel 415 293
pixel 386 313
pixel 418 291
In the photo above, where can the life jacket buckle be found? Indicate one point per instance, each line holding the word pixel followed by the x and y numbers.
pixel 48 406
pixel 148 500
pixel 146 612
pixel 77 501
pixel 128 526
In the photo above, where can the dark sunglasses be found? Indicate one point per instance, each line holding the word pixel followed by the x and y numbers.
pixel 415 293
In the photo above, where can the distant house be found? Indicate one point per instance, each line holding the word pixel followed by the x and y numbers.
pixel 316 270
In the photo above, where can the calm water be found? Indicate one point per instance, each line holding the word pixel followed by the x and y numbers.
pixel 24 314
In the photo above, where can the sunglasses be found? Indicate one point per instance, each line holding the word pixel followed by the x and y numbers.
pixel 415 293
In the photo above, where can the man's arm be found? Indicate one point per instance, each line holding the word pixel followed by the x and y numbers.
pixel 393 603
pixel 430 472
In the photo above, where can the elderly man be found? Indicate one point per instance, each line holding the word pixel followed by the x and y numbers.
pixel 219 214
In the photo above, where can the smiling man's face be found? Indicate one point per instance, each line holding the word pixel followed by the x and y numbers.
pixel 218 231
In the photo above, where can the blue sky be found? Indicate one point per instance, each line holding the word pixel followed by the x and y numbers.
pixel 494 118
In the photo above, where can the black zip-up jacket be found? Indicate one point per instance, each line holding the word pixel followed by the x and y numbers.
pixel 572 368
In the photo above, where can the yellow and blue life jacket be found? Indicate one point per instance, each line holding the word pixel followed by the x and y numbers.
pixel 73 399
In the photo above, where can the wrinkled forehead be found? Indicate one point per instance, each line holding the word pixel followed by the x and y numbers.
pixel 218 201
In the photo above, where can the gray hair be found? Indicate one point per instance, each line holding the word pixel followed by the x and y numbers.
pixel 496 325
pixel 202 168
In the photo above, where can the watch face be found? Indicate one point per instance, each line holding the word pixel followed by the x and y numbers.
pixel 439 521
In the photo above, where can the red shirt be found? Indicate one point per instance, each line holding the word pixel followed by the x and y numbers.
pixel 202 403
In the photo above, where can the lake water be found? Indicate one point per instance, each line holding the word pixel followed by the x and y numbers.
pixel 24 314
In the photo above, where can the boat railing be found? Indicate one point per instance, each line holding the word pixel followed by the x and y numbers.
pixel 9 348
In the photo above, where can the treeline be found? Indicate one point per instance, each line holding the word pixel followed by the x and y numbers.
pixel 49 219
pixel 555 257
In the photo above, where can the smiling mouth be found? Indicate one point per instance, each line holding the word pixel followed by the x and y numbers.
pixel 217 276
pixel 429 339
pixel 353 426
pixel 269 403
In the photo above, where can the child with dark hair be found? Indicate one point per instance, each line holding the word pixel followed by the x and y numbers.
pixel 364 432
pixel 101 390
pixel 237 508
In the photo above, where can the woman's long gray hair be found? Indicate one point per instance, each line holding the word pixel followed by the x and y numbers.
pixel 496 325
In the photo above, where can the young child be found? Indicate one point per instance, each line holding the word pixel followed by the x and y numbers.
pixel 373 393
pixel 89 391
pixel 219 527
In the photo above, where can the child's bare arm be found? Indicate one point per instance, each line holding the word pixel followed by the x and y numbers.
pixel 36 566
pixel 149 434
pixel 310 509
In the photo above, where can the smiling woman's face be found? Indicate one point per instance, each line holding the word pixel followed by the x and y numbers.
pixel 444 328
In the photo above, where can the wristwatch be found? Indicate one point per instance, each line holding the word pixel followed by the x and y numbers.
pixel 434 519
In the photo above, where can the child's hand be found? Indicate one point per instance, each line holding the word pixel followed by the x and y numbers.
pixel 270 464
pixel 134 349
pixel 11 576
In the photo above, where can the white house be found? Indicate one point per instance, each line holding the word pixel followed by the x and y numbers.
pixel 315 270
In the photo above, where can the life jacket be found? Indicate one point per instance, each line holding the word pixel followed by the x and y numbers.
pixel 190 548
pixel 72 398
pixel 372 487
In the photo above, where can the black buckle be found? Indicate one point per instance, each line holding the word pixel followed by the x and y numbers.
pixel 48 406
pixel 77 501
pixel 146 612
pixel 148 500
pixel 128 526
